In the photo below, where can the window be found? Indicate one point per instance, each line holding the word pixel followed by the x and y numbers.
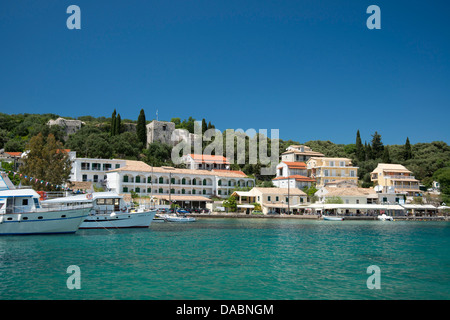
pixel 357 201
pixel 331 163
pixel 326 173
pixel 24 202
pixel 149 179
pixel 117 166
pixel 125 178
pixel 204 182
pixel 184 191
pixel 149 190
pixel 268 198
pixel 85 166
pixel 125 189
pixel 277 198
pixel 352 173
pixel 164 127
pixel 183 181
pixel 342 163
pixel 84 177
pixel 106 166
pixel 220 182
pixel 160 190
pixel 95 178
pixel 161 180
pixel 138 179
pixel 138 190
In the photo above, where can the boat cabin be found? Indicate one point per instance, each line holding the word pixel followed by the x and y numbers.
pixel 19 201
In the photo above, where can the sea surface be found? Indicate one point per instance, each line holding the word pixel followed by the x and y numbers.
pixel 248 259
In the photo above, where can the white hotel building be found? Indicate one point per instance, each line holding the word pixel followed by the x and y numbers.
pixel 145 180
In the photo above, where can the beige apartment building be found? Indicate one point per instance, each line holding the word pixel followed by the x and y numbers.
pixel 394 178
pixel 326 170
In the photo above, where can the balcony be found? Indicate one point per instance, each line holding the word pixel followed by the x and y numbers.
pixel 396 177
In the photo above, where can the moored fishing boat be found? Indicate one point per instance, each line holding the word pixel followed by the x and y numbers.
pixel 109 210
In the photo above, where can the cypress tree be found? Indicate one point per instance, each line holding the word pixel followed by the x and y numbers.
pixel 386 156
pixel 204 126
pixel 141 129
pixel 118 124
pixel 359 148
pixel 407 153
pixel 377 146
pixel 113 123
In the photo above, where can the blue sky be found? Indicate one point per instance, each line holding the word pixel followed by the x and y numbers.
pixel 311 69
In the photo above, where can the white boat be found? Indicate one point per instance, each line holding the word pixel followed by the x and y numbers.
pixel 384 217
pixel 332 218
pixel 21 212
pixel 177 218
pixel 109 210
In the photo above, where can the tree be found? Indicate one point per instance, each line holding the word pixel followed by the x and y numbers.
pixel 118 124
pixel 46 161
pixel 443 177
pixel 377 146
pixel 360 154
pixel 113 123
pixel 141 128
pixel 334 200
pixel 386 156
pixel 230 203
pixel 407 150
pixel 204 126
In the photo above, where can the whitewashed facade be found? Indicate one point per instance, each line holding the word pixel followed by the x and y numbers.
pixel 145 180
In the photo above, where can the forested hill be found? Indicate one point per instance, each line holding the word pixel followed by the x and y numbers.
pixel 111 138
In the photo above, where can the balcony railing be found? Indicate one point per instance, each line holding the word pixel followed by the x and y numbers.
pixel 399 177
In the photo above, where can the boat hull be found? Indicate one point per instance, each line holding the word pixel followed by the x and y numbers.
pixel 180 219
pixel 119 220
pixel 333 218
pixel 49 222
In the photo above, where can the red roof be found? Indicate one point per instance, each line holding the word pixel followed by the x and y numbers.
pixel 295 165
pixel 297 177
pixel 209 158
pixel 14 154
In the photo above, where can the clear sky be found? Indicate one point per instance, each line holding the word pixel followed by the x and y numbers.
pixel 311 69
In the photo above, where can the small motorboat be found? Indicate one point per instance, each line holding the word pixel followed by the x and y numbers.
pixel 176 218
pixel 384 217
pixel 332 218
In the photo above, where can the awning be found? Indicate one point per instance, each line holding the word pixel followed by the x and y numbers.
pixel 326 206
pixel 246 206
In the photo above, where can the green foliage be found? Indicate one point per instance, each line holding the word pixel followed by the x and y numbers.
pixel 230 203
pixel 407 153
pixel 158 154
pixel 44 154
pixel 141 128
pixel 334 200
pixel 443 177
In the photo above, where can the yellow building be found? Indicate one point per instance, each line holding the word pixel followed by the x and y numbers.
pixel 326 170
pixel 395 178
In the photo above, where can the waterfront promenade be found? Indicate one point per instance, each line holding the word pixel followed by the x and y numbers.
pixel 310 217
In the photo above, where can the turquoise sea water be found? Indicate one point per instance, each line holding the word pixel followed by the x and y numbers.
pixel 233 259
